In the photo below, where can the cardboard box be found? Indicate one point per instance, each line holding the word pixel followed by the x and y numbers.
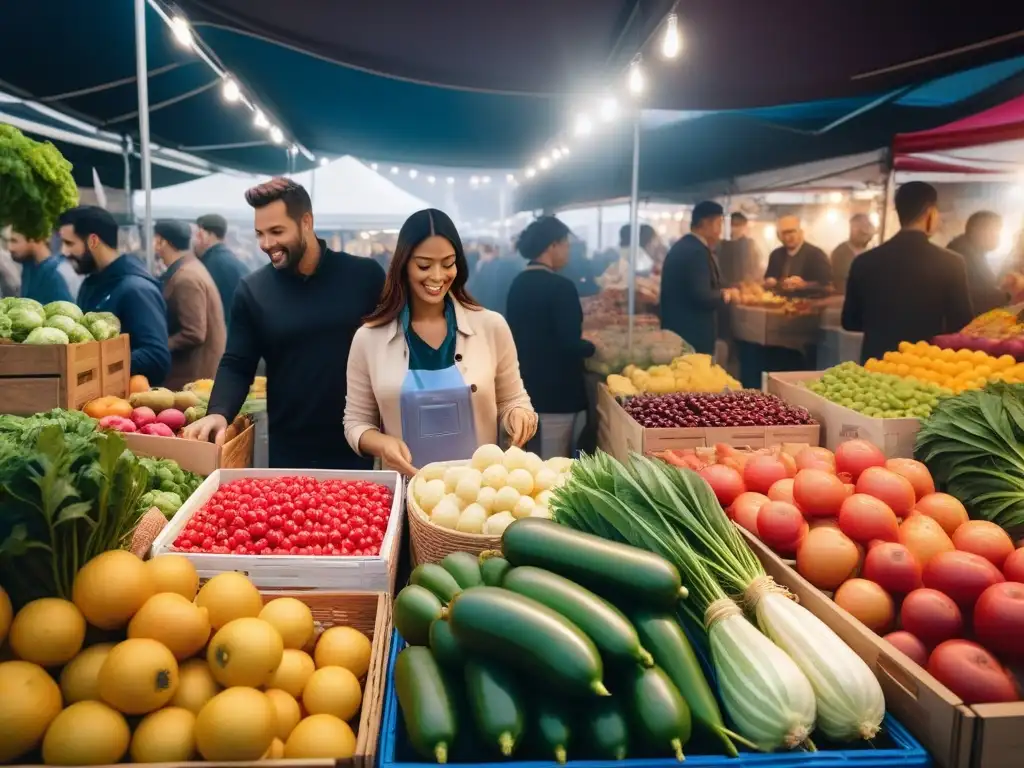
pixel 957 735
pixel 38 378
pixel 618 433
pixel 194 456
pixel 894 436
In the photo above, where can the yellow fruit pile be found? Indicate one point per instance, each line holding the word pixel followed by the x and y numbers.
pixel 687 373
pixel 263 686
pixel 953 369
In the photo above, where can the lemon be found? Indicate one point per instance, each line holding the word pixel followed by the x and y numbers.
pixel 292 619
pixel 287 710
pixel 320 736
pixel 164 736
pixel 86 733
pixel 293 672
pixel 332 691
pixel 29 703
pixel 48 632
pixel 79 680
pixel 343 647
pixel 245 652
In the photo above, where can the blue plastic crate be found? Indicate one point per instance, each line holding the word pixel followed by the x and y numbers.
pixel 905 751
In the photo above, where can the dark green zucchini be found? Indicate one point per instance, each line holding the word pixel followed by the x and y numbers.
pixel 523 634
pixel 606 730
pixel 496 705
pixel 493 570
pixel 415 609
pixel 464 567
pixel 617 572
pixel 444 646
pixel 426 704
pixel 665 639
pixel 435 578
pixel 551 728
pixel 660 717
pixel 602 622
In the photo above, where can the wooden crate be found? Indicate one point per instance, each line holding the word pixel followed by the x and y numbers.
pixel 115 366
pixel 38 378
pixel 618 433
pixel 956 735
pixel 194 456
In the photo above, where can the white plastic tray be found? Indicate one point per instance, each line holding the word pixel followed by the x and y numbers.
pixel 363 574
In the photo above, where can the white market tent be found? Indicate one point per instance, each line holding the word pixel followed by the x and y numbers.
pixel 346 195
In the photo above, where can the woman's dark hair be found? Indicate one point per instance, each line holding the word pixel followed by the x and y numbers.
pixel 417 228
pixel 541 234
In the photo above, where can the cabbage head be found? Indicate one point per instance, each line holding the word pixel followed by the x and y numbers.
pixel 65 308
pixel 47 336
pixel 7 303
pixel 5 327
pixel 63 322
pixel 78 334
pixel 102 325
pixel 32 304
pixel 23 322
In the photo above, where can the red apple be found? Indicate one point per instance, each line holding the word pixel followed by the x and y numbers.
pixel 999 618
pixel 892 566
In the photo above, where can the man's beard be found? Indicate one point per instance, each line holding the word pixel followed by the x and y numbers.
pixel 85 264
pixel 294 252
pixel 24 258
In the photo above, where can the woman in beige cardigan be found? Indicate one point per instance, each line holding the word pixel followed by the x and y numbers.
pixel 427 322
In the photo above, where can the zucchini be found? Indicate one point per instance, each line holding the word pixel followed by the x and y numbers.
pixel 435 578
pixel 550 724
pixel 525 635
pixel 660 717
pixel 672 652
pixel 606 731
pixel 602 622
pixel 496 705
pixel 493 570
pixel 464 567
pixel 426 703
pixel 617 572
pixel 444 646
pixel 415 609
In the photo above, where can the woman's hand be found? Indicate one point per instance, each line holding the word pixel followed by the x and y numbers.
pixel 395 454
pixel 522 425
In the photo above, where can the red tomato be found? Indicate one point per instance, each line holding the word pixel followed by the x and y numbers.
pixel 895 490
pixel 893 567
pixel 868 603
pixel 961 575
pixel 907 644
pixel 854 456
pixel 744 510
pixel 781 526
pixel 914 471
pixel 999 618
pixel 818 493
pixel 944 509
pixel 986 539
pixel 816 458
pixel 726 482
pixel 782 490
pixel 930 616
pixel 761 472
pixel 863 518
pixel 1013 566
pixel 972 673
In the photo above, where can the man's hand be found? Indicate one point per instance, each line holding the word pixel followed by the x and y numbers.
pixel 213 426
pixel 770 282
pixel 794 283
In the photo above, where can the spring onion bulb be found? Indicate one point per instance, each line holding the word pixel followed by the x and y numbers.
pixel 850 700
pixel 768 698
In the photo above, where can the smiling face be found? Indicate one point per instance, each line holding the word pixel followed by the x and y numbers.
pixel 280 236
pixel 432 269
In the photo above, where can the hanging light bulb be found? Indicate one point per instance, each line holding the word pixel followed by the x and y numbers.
pixel 636 77
pixel 373 166
pixel 323 161
pixel 671 43
pixel 275 134
pixel 510 177
pixel 431 179
pixel 413 173
pixel 565 151
pixel 450 180
pixel 230 91
pixel 544 163
pixel 583 125
pixel 260 121
pixel 531 172
pixel 556 154
pixel 293 150
pixel 182 32
pixel 394 170
pixel 485 180
pixel 609 108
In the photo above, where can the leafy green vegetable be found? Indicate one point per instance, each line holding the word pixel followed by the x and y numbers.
pixel 65 308
pixel 47 336
pixel 23 322
pixel 168 485
pixel 38 186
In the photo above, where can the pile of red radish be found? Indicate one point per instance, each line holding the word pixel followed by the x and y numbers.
pixel 906 561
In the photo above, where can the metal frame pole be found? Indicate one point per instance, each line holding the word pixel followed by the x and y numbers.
pixel 126 154
pixel 634 231
pixel 887 197
pixel 142 78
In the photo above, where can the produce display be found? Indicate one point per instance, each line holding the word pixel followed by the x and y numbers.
pixel 756 295
pixel 26 321
pixel 997 332
pixel 745 408
pixel 290 516
pixel 903 559
pixel 169 485
pixel 158 412
pixel 877 395
pixel 187 673
pixel 955 370
pixel 650 347
pixel 255 401
pixel 486 495
pixel 687 373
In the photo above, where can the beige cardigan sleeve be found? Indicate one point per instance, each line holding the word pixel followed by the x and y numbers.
pixel 508 383
pixel 361 412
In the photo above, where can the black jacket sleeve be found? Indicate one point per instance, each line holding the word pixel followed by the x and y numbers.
pixel 241 357
pixel 143 317
pixel 696 284
pixel 568 323
pixel 853 305
pixel 959 310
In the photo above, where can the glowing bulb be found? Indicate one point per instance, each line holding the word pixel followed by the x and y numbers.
pixel 678 216
pixel 485 180
pixel 769 233
pixel 636 77
pixel 474 180
pixel 373 166
pixel 510 178
pixel 671 43
pixel 544 163
pixel 260 121
pixel 413 173
pixel 394 170
pixel 565 151
pixel 1016 191
pixel 182 32
pixel 874 218
pixel 275 134
pixel 364 235
pixel 583 125
pixel 609 108
pixel 556 154
pixel 230 91
pixel 431 179
pixel 531 172
pixel 450 180
pixel 831 215
pixel 835 197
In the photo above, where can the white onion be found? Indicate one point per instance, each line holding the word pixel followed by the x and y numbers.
pixel 505 499
pixel 472 519
pixel 521 480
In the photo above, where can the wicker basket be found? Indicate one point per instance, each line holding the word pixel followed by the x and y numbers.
pixel 430 543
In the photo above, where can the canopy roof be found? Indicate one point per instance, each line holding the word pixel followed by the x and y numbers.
pixel 468 83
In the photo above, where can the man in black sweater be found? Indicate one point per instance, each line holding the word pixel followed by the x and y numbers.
pixel 907 289
pixel 299 313
pixel 981 236
pixel 796 263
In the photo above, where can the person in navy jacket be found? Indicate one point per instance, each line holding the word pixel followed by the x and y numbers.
pixel 119 284
pixel 43 274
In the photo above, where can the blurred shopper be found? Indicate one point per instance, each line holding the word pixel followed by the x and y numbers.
pixel 381 255
pixel 580 269
pixel 547 324
pixel 647 257
pixel 907 289
pixel 195 317
pixel 119 284
pixel 224 267
pixel 861 233
pixel 796 263
pixel 691 288
pixel 299 313
pixel 981 237
pixel 45 276
pixel 739 258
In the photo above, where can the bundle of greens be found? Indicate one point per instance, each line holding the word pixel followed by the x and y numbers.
pixel 973 444
pixel 24 431
pixel 38 186
pixel 169 486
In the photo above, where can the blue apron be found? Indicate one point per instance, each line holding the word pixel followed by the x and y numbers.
pixel 436 404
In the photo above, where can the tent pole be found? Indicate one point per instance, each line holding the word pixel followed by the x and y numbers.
pixel 142 77
pixel 890 183
pixel 634 231
pixel 600 229
pixel 312 189
pixel 126 153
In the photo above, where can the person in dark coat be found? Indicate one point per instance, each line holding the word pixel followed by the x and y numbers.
pixel 691 289
pixel 544 313
pixel 580 270
pixel 981 236
pixel 739 258
pixel 44 275
pixel 119 284
pixel 907 289
pixel 796 263
pixel 224 267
